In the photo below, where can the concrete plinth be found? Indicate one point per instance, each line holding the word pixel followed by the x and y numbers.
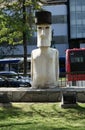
pixel 68 99
pixel 32 95
pixel 22 94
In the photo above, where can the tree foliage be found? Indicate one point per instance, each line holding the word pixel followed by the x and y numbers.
pixel 16 23
pixel 11 20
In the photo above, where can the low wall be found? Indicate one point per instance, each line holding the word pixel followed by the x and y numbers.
pixel 39 95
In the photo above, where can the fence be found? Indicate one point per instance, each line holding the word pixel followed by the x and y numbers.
pixel 76 79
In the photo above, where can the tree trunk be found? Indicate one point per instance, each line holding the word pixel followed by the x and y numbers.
pixel 24 40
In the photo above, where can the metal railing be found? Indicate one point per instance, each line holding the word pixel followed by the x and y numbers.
pixel 76 79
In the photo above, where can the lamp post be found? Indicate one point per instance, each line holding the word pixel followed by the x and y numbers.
pixel 53 42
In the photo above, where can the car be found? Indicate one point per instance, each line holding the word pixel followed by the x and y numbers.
pixel 2 82
pixel 12 79
pixel 11 82
pixel 9 74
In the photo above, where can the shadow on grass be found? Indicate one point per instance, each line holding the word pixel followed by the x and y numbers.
pixel 78 108
pixel 60 112
pixel 15 124
pixel 12 111
pixel 30 126
pixel 9 111
pixel 77 112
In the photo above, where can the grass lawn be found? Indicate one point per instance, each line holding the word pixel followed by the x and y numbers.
pixel 42 116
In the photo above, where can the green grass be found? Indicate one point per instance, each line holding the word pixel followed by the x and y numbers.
pixel 42 116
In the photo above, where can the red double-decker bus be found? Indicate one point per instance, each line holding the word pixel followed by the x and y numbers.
pixel 75 64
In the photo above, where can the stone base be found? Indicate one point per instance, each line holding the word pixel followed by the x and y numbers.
pixel 21 94
pixel 69 97
pixel 68 100
pixel 30 95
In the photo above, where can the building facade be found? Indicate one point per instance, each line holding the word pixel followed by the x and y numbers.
pixel 76 23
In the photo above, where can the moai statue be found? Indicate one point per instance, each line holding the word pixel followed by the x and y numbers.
pixel 44 60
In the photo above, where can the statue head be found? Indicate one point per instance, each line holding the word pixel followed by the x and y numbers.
pixel 43 22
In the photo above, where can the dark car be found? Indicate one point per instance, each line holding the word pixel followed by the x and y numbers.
pixel 11 79
pixel 11 82
pixel 1 82
pixel 8 74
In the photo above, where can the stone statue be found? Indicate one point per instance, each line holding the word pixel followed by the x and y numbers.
pixel 44 60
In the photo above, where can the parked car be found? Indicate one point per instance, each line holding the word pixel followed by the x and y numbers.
pixel 12 79
pixel 9 74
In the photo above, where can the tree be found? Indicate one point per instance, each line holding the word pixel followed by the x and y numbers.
pixel 16 23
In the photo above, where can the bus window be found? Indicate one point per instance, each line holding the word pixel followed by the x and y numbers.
pixel 75 64
pixel 14 64
pixel 9 64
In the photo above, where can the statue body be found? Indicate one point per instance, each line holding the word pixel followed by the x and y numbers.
pixel 44 60
pixel 44 67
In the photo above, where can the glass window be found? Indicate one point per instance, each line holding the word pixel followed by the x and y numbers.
pixel 79 29
pixel 78 2
pixel 77 18
pixel 77 59
pixel 78 15
pixel 78 35
pixel 83 35
pixel 73 29
pixel 72 2
pixel 83 7
pixel 83 2
pixel 72 8
pixel 78 8
pixel 72 15
pixel 83 14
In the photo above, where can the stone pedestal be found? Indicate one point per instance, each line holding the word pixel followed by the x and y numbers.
pixel 69 99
